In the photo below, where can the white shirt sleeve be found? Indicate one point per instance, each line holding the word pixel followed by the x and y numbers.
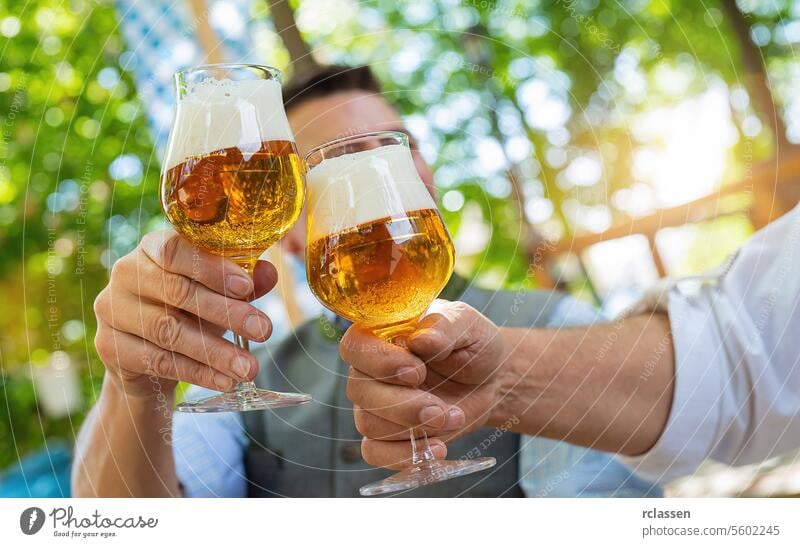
pixel 737 357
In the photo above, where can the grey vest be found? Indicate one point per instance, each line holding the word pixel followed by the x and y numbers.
pixel 314 450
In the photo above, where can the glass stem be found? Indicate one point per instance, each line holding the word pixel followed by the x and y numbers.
pixel 394 333
pixel 245 388
pixel 425 454
pixel 421 451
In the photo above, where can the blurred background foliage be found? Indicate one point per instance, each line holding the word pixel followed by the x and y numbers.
pixel 544 119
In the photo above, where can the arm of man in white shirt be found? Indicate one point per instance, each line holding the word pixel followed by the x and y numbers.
pixel 737 357
pixel 716 376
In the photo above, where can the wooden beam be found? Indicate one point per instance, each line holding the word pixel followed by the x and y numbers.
pixel 209 43
pixel 659 263
pixel 765 177
pixel 696 211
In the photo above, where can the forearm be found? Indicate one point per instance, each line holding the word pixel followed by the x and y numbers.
pixel 607 386
pixel 124 447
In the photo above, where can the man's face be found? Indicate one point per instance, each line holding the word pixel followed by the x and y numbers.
pixel 319 120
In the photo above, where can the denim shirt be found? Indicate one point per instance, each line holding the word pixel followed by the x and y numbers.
pixel 209 450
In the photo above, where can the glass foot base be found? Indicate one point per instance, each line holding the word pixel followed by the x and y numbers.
pixel 427 472
pixel 244 400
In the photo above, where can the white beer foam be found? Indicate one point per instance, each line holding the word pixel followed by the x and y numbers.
pixel 353 189
pixel 218 114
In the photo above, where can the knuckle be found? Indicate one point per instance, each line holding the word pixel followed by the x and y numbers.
pixel 345 344
pixel 494 342
pixel 115 270
pixel 370 453
pixel 178 290
pixel 119 270
pixel 167 331
pixel 150 238
pixel 155 238
pixel 104 345
pixel 101 304
pixel 464 310
pixel 159 363
pixel 486 334
pixel 352 391
pixel 355 391
pixel 367 450
pixel 409 411
pixel 201 376
pixel 130 263
pixel 367 425
pixel 225 311
pixel 217 352
pixel 360 421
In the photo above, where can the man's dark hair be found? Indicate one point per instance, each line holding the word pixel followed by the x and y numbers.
pixel 328 80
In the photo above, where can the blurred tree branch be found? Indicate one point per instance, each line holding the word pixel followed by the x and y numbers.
pixel 477 54
pixel 756 77
pixel 283 18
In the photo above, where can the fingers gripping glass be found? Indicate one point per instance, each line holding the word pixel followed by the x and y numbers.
pixel 378 254
pixel 232 184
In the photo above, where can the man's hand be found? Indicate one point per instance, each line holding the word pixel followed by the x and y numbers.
pixel 444 383
pixel 165 310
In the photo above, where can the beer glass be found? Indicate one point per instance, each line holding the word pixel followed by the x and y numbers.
pixel 232 183
pixel 378 254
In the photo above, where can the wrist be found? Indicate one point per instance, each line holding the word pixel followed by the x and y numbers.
pixel 144 398
pixel 523 379
pixel 506 377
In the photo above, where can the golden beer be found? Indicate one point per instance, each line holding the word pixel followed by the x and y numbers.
pixel 236 204
pixel 232 184
pixel 378 254
pixel 382 273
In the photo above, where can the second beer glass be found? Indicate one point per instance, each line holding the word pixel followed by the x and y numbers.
pixel 378 254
